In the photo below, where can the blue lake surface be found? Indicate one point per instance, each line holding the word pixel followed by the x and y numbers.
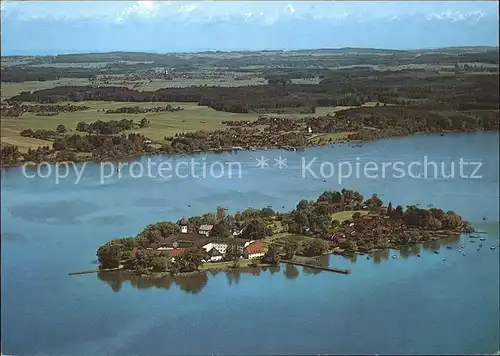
pixel 407 305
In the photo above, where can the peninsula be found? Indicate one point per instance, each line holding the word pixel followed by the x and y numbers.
pixel 341 222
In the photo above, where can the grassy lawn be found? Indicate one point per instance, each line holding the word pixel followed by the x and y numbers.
pixel 224 265
pixel 192 118
pixel 281 238
pixel 163 124
pixel 11 89
pixel 326 137
pixel 346 215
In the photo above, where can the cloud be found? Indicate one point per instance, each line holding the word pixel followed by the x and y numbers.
pixel 290 8
pixel 268 12
pixel 455 16
pixel 187 8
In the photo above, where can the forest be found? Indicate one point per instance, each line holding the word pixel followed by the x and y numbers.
pixel 430 91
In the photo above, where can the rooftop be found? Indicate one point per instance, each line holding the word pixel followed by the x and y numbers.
pixel 176 251
pixel 206 227
pixel 256 247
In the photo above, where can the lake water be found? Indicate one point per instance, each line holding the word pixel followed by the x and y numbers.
pixel 418 305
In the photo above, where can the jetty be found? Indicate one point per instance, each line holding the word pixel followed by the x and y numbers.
pixel 97 270
pixel 323 268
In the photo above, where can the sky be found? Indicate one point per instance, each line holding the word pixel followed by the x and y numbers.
pixel 55 27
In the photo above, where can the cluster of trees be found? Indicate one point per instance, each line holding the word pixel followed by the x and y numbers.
pixel 103 147
pixel 10 155
pixel 312 218
pixel 231 138
pixel 274 124
pixel 268 64
pixel 38 134
pixel 17 110
pixel 427 90
pixel 385 121
pixel 386 226
pixel 105 127
pixel 139 110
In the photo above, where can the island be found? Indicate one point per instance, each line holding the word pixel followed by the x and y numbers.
pixel 338 222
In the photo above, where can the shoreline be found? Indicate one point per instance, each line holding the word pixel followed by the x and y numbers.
pixel 229 268
pixel 240 148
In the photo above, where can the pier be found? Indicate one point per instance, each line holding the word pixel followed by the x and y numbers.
pixel 331 269
pixel 95 271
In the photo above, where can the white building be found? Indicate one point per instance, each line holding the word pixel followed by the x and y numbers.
pixel 214 255
pixel 222 244
pixel 205 229
pixel 184 226
pixel 254 250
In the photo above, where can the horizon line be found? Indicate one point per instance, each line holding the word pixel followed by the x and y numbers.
pixel 236 50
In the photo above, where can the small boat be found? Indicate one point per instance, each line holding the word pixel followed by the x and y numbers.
pixel 449 247
pixel 418 255
pixel 484 218
pixel 482 238
pixel 444 259
pixel 394 257
pixel 472 241
pixel 477 249
pixel 367 257
pixel 460 250
pixel 492 247
pixel 436 252
pixel 462 245
pixel 465 253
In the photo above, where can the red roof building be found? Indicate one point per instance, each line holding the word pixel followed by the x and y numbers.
pixel 255 250
pixel 175 252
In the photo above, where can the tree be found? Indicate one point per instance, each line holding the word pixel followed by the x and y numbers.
pixel 82 126
pixel 271 255
pixel 156 232
pixel 220 229
pixel 434 224
pixel 316 247
pixel 159 264
pixel 60 129
pixel 374 203
pixel 189 261
pixel 109 254
pixel 451 220
pixel 302 205
pixel 398 213
pixel 232 253
pixel 321 225
pixel 301 220
pixel 144 123
pixel 256 230
pixel 267 212
pixel 290 249
pixel 389 209
pixel 27 133
pixel 356 215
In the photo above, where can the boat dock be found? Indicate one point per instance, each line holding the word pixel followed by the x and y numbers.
pixel 95 271
pixel 331 269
